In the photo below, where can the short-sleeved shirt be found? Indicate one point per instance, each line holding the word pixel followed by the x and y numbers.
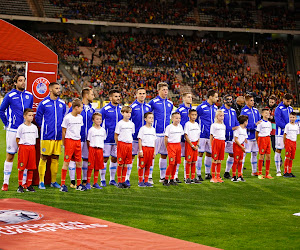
pixel 125 130
pixel 241 134
pixel 264 128
pixel 27 134
pixel 96 137
pixel 148 136
pixel 192 130
pixel 218 131
pixel 174 133
pixel 73 125
pixel 291 131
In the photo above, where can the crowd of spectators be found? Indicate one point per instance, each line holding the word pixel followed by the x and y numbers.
pixel 218 13
pixel 132 11
pixel 128 61
pixel 7 73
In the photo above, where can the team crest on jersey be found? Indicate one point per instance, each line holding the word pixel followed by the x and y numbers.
pixel 67 157
pixel 215 156
pixel 9 147
pixel 27 97
pixel 18 216
pixel 237 157
pixel 262 150
pixel 21 164
pixel 287 153
pixel 142 162
pixel 189 157
pixel 89 164
pixel 43 149
pixel 120 159
pixel 169 105
pixel 172 159
pixel 60 105
pixel 40 87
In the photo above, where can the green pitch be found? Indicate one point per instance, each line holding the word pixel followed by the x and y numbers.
pixel 254 214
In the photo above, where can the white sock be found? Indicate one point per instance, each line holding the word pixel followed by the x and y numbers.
pixel 72 169
pixel 84 170
pixel 129 167
pixel 243 162
pixel 112 170
pixel 207 164
pixel 254 162
pixel 199 165
pixel 163 167
pixel 7 171
pixel 103 172
pixel 277 161
pixel 24 177
pixel 229 163
pixel 176 173
pixel 184 164
pixel 151 170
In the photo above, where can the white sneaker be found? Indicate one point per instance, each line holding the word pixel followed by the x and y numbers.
pixel 151 181
pixel 278 174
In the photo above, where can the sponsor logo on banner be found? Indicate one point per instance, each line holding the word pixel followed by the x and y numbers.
pixel 17 216
pixel 40 87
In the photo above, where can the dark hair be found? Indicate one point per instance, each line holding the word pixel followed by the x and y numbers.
pixel 242 119
pixel 146 114
pixel 26 111
pixel 293 113
pixel 96 114
pixel 265 109
pixel 175 113
pixel 273 97
pixel 126 109
pixel 288 96
pixel 140 88
pixel 192 110
pixel 76 103
pixel 113 91
pixel 85 91
pixel 17 77
pixel 52 84
pixel 211 92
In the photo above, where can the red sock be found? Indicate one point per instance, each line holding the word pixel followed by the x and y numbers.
pixel 29 177
pixel 168 172
pixel 124 172
pixel 234 167
pixel 290 166
pixel 78 174
pixel 63 176
pixel 147 171
pixel 141 173
pixel 20 177
pixel 89 175
pixel 213 169
pixel 260 164
pixel 286 164
pixel 119 173
pixel 268 163
pixel 187 170
pixel 96 175
pixel 193 170
pixel 173 171
pixel 240 166
pixel 218 169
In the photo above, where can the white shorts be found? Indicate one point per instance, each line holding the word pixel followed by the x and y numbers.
pixel 135 147
pixel 204 145
pixel 160 147
pixel 110 150
pixel 229 147
pixel 11 144
pixel 279 142
pixel 84 150
pixel 182 144
pixel 251 146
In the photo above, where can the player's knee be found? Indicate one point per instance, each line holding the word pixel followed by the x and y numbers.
pixel 231 155
pixel 200 154
pixel 105 159
pixel 278 150
pixel 44 157
pixel 163 156
pixel 113 159
pixel 133 156
pixel 53 157
pixel 10 157
pixel 208 154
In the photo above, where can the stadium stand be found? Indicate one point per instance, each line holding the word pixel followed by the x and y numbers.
pixel 15 7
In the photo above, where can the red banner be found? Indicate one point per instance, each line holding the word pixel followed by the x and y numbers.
pixel 39 76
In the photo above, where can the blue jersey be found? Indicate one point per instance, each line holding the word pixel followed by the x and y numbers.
pixel 206 117
pixel 230 121
pixel 184 113
pixel 282 117
pixel 49 116
pixel 162 109
pixel 87 113
pixel 12 108
pixel 111 115
pixel 137 116
pixel 253 118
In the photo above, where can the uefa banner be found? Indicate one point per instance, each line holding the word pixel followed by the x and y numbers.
pixel 39 76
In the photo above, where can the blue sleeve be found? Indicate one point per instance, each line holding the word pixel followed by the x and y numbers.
pixel 242 112
pixel 4 105
pixel 278 119
pixel 31 102
pixel 236 122
pixel 39 114
pixel 151 104
pixel 199 112
pixel 102 112
pixel 258 117
pixel 70 110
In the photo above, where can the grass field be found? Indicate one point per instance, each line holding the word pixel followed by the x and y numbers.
pixel 254 214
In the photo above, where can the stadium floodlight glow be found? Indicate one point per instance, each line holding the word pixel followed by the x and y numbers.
pixel 256 43
pixel 93 35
